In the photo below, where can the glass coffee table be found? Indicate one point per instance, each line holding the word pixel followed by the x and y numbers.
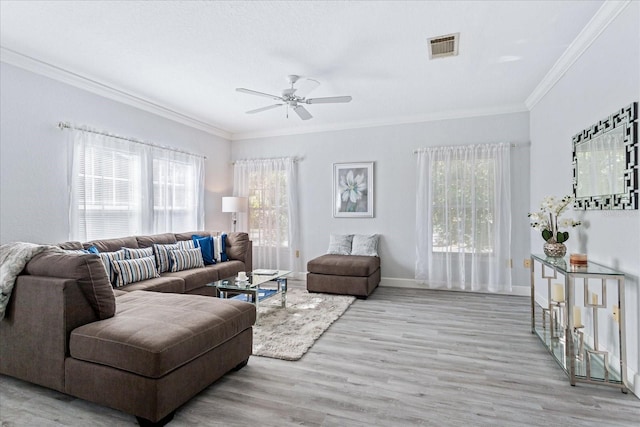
pixel 262 285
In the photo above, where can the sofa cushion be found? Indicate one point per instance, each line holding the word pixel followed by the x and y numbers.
pixel 197 277
pixel 187 235
pixel 70 245
pixel 160 239
pixel 157 284
pixel 153 333
pixel 86 269
pixel 344 265
pixel 237 246
pixel 112 245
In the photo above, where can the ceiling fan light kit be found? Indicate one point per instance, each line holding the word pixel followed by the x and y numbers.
pixel 294 96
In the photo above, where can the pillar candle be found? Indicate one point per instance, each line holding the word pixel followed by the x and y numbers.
pixel 557 293
pixel 594 299
pixel 577 316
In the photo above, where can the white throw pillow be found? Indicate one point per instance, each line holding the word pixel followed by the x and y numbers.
pixel 340 244
pixel 365 245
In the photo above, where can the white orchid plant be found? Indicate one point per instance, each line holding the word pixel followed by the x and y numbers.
pixel 546 220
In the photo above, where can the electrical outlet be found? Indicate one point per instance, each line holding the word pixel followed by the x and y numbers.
pixel 527 263
pixel 616 314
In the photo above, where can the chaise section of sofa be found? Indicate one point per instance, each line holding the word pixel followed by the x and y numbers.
pixel 163 348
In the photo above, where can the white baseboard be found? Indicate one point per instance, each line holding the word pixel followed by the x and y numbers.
pixel 395 282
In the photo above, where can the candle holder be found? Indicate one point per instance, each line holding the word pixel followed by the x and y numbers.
pixel 557 320
pixel 578 335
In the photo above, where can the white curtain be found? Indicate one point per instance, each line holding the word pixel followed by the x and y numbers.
pixel 178 191
pixel 119 187
pixel 463 218
pixel 272 221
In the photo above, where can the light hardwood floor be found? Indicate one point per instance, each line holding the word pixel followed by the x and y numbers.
pixel 403 357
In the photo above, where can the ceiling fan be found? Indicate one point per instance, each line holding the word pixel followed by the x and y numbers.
pixel 294 96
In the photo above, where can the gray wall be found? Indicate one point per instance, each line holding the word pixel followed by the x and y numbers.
pixel 33 152
pixel 605 78
pixel 391 148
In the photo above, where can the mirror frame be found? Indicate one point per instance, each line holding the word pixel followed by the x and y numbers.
pixel 628 199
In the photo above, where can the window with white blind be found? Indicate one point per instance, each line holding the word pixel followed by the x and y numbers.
pixel 122 188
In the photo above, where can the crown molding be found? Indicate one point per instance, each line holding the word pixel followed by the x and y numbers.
pixel 600 21
pixel 446 115
pixel 57 73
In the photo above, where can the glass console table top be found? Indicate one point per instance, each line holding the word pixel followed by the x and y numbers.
pixel 564 266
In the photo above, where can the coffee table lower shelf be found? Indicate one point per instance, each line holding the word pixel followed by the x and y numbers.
pixel 256 290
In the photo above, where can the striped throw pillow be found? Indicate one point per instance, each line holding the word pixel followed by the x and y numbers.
pixel 131 253
pixel 186 244
pixel 162 255
pixel 107 261
pixel 185 259
pixel 134 270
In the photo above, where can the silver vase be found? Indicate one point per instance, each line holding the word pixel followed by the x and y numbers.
pixel 554 249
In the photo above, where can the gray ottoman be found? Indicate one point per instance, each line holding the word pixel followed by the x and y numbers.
pixel 344 274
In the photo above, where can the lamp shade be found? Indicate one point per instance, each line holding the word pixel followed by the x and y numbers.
pixel 235 204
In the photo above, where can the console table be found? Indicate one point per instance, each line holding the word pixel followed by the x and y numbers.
pixel 578 314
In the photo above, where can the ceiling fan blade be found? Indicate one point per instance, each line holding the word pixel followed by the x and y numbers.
pixel 257 110
pixel 302 112
pixel 328 100
pixel 254 92
pixel 306 86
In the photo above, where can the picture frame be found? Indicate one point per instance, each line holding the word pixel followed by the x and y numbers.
pixel 353 190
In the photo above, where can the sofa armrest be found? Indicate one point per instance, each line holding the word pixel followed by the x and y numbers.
pixel 34 334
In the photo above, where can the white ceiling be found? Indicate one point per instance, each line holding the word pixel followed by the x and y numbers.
pixel 187 57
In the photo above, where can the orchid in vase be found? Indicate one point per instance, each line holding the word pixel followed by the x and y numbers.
pixel 547 219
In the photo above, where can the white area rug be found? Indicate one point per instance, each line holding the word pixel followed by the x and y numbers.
pixel 288 333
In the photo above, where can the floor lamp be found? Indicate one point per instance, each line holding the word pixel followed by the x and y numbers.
pixel 235 205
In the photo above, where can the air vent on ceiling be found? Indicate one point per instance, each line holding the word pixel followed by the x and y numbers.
pixel 443 46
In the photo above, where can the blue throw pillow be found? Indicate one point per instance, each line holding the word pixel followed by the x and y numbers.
pixel 93 250
pixel 223 253
pixel 205 243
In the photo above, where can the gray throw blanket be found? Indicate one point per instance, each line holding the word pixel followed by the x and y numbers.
pixel 13 258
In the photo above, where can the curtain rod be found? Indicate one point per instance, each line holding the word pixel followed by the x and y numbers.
pixel 295 159
pixel 67 125
pixel 524 144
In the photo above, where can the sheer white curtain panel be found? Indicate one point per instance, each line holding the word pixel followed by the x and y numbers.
pixel 463 218
pixel 272 221
pixel 120 188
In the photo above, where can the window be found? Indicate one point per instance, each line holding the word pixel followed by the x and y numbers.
pixel 272 221
pixel 268 209
pixel 122 188
pixel 463 200
pixel 174 195
pixel 463 217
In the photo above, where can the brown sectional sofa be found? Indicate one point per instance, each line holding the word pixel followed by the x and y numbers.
pixel 144 353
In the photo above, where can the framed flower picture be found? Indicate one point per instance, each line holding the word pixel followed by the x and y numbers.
pixel 353 190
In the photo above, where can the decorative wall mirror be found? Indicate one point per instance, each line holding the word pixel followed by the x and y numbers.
pixel 605 162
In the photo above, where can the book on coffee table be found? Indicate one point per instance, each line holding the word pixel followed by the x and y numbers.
pixel 263 272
